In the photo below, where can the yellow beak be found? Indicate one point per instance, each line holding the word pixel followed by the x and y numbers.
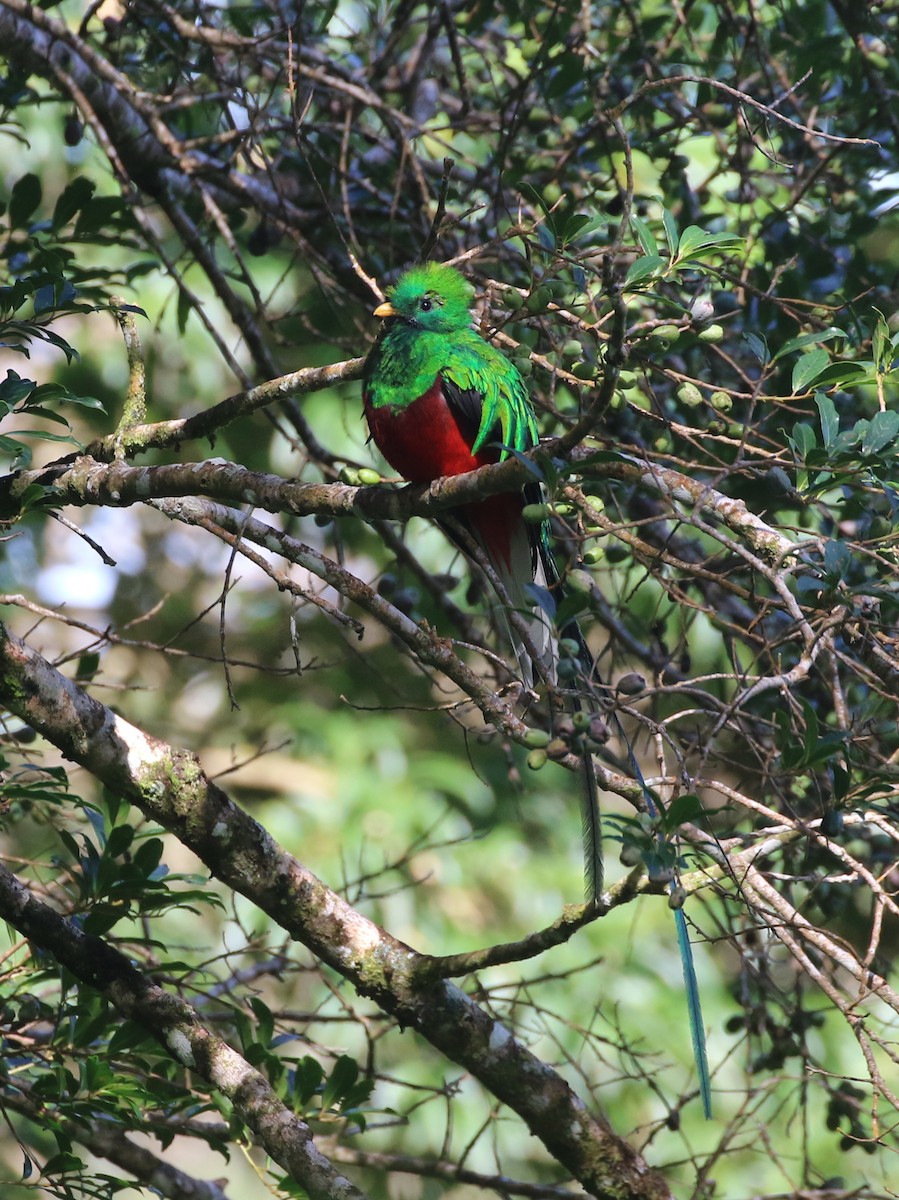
pixel 385 310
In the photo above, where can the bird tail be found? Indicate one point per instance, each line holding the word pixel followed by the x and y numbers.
pixel 591 815
pixel 512 553
pixel 519 555
pixel 593 848
pixel 532 574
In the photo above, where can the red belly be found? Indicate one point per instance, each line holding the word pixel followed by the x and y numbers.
pixel 424 440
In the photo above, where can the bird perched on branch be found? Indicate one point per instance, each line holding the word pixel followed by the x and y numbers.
pixel 440 400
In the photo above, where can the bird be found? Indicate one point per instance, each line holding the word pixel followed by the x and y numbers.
pixel 441 400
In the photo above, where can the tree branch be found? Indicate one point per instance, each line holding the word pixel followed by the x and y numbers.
pixel 169 786
pixel 83 480
pixel 106 1141
pixel 178 1027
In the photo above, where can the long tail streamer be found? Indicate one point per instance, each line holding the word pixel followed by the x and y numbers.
pixel 691 987
pixel 694 1006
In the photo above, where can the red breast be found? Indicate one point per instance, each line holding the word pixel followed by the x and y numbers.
pixel 424 440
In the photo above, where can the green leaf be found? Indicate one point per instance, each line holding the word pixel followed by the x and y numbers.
pixel 99 214
pixel 532 194
pixel 687 807
pixel 807 368
pixel 44 435
pixel 18 450
pixel 103 917
pixel 61 1164
pixel 308 1076
pixel 546 237
pixel 672 233
pixel 577 226
pixel 265 1021
pixel 82 401
pixel 35 494
pixel 809 339
pixel 882 429
pixel 119 840
pixel 881 346
pixel 14 389
pixel 93 1029
pixel 184 308
pixel 342 1077
pixel 841 374
pixel 693 240
pixel 356 1095
pixel 148 855
pixel 757 346
pixel 837 558
pixel 803 439
pixel 46 393
pixel 645 237
pixel 644 268
pixel 830 421
pixel 36 410
pixel 88 664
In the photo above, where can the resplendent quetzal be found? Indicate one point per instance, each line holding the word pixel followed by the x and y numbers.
pixel 440 400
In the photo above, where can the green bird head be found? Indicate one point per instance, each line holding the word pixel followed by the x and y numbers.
pixel 430 297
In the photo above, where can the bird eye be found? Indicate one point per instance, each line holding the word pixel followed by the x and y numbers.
pixel 425 305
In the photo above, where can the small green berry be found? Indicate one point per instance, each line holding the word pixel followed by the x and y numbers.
pixel 690 395
pixel 537 759
pixel 535 513
pixel 667 333
pixel 712 334
pixel 539 298
pixel 721 401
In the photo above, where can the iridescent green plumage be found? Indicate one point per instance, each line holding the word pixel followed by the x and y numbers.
pixel 438 341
